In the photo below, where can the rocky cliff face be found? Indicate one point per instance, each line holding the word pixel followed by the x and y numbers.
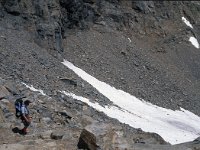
pixel 49 21
pixel 138 46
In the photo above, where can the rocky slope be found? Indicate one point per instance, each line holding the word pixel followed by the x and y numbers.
pixel 140 47
pixel 59 124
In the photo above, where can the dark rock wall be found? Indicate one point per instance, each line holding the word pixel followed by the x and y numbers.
pixel 49 20
pixel 42 18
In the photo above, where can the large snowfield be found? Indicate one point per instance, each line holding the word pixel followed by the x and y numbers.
pixel 173 126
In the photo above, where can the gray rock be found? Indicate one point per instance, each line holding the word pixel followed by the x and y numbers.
pixel 102 136
pixel 65 114
pixel 87 141
pixel 197 140
pixel 3 92
pixel 12 6
pixel 2 81
pixel 57 135
pixel 143 6
pixel 69 81
pixel 47 120
pixel 45 135
pixel 67 136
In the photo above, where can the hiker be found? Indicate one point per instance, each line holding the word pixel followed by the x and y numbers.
pixel 26 119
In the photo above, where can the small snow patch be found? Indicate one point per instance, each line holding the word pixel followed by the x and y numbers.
pixel 187 22
pixel 194 42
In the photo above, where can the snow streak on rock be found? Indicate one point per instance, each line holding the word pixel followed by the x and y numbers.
pixel 187 22
pixel 174 126
pixel 34 89
pixel 194 42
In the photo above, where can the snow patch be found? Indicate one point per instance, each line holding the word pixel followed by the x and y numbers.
pixel 174 126
pixel 187 22
pixel 129 40
pixel 34 89
pixel 194 42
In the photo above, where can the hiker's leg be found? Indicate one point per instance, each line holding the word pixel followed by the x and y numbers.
pixel 26 124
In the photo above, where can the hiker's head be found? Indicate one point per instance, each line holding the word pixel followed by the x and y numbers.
pixel 27 102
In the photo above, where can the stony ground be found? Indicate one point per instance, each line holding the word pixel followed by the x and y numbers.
pixel 57 124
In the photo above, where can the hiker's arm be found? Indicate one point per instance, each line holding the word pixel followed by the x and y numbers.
pixel 26 119
pixel 23 114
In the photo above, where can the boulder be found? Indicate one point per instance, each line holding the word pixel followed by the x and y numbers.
pixel 57 135
pixel 69 81
pixel 102 136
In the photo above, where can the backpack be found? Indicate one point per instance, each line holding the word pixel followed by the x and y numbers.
pixel 18 104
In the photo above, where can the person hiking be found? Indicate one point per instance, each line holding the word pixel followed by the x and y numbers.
pixel 25 117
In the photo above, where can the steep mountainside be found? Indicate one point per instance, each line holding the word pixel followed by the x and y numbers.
pixel 141 47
